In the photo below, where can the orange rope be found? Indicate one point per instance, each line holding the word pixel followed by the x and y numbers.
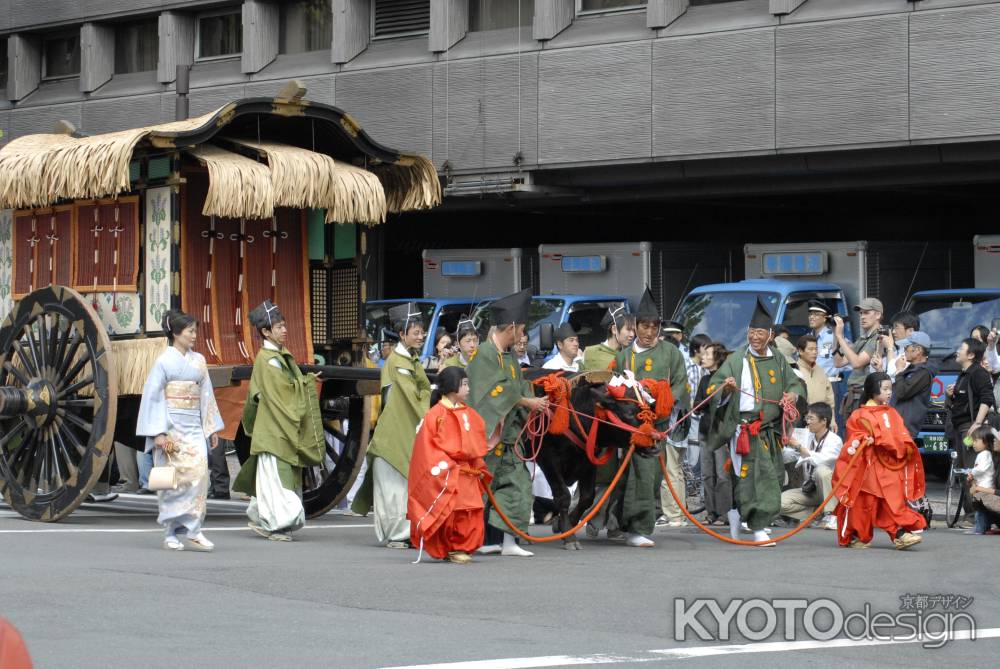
pixel 583 521
pixel 741 542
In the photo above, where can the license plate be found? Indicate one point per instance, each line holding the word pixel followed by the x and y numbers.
pixel 935 443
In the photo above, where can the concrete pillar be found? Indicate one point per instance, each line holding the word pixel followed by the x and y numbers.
pixel 552 17
pixel 351 29
pixel 449 23
pixel 24 63
pixel 176 31
pixel 781 7
pixel 260 35
pixel 97 55
pixel 661 13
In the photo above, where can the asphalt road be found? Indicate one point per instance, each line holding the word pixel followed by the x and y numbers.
pixel 98 591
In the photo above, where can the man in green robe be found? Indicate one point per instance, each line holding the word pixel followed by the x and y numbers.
pixel 467 340
pixel 406 396
pixel 650 358
pixel 598 357
pixel 503 398
pixel 750 426
pixel 282 418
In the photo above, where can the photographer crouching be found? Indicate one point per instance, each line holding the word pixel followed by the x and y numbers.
pixel 859 354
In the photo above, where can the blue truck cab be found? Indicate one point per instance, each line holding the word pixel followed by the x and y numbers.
pixel 948 316
pixel 723 310
pixel 437 312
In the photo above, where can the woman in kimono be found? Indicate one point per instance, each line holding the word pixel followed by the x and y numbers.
pixel 179 417
pixel 445 501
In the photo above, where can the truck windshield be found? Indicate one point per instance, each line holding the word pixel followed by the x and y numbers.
pixel 723 316
pixel 585 317
pixel 377 317
pixel 542 310
pixel 949 320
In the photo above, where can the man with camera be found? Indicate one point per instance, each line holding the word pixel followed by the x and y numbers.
pixel 821 323
pixel 818 456
pixel 859 354
pixel 891 357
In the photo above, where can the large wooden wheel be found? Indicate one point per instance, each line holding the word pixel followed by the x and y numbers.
pixel 57 403
pixel 324 486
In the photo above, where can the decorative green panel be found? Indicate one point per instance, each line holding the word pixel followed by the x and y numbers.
pixel 158 168
pixel 316 233
pixel 345 241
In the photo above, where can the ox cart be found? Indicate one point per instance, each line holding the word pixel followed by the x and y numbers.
pixel 262 198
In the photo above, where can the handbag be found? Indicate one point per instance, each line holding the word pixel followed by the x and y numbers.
pixel 163 477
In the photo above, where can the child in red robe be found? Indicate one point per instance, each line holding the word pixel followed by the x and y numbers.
pixel 873 491
pixel 445 506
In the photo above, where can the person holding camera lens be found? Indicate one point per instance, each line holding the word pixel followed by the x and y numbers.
pixel 860 353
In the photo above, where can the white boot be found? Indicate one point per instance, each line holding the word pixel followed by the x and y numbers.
pixel 734 523
pixel 639 541
pixel 511 549
pixel 762 535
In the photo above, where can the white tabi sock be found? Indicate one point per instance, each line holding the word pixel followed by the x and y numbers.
pixel 734 523
pixel 510 547
pixel 761 535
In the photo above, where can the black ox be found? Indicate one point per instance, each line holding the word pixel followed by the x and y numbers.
pixel 564 462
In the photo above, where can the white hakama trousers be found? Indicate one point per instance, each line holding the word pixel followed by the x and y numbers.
pixel 275 508
pixel 390 493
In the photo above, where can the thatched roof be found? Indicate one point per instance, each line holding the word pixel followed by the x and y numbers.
pixel 343 171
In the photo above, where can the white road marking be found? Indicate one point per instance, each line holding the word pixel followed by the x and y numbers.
pixel 122 530
pixel 687 653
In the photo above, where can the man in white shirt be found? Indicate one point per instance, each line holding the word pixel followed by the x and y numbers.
pixel 819 457
pixel 567 358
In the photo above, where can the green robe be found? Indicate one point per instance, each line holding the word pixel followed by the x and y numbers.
pixel 495 388
pixel 640 486
pixel 282 417
pixel 758 477
pixel 406 394
pixel 455 361
pixel 597 357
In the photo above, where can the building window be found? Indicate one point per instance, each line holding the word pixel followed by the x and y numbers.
pixel 393 18
pixel 499 14
pixel 3 62
pixel 61 56
pixel 137 46
pixel 305 25
pixel 607 5
pixel 219 34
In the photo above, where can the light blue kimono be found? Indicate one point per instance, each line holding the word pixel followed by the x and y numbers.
pixel 178 401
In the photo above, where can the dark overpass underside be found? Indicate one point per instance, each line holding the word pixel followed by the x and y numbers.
pixel 939 193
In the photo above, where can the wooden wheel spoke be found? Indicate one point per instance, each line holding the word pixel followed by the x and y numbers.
pixel 76 420
pixel 18 374
pixel 71 462
pixel 54 340
pixel 67 432
pixel 332 454
pixel 76 386
pixel 88 402
pixel 66 360
pixel 74 371
pixel 32 347
pixel 25 359
pixel 6 439
pixel 43 342
pixel 57 468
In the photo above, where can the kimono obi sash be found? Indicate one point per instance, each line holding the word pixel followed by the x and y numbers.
pixel 183 395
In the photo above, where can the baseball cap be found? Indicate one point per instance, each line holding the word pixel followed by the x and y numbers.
pixel 870 304
pixel 918 338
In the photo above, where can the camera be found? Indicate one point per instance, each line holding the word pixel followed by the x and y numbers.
pixel 884 330
pixel 832 323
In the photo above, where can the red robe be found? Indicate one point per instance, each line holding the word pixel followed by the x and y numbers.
pixel 446 503
pixel 873 491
